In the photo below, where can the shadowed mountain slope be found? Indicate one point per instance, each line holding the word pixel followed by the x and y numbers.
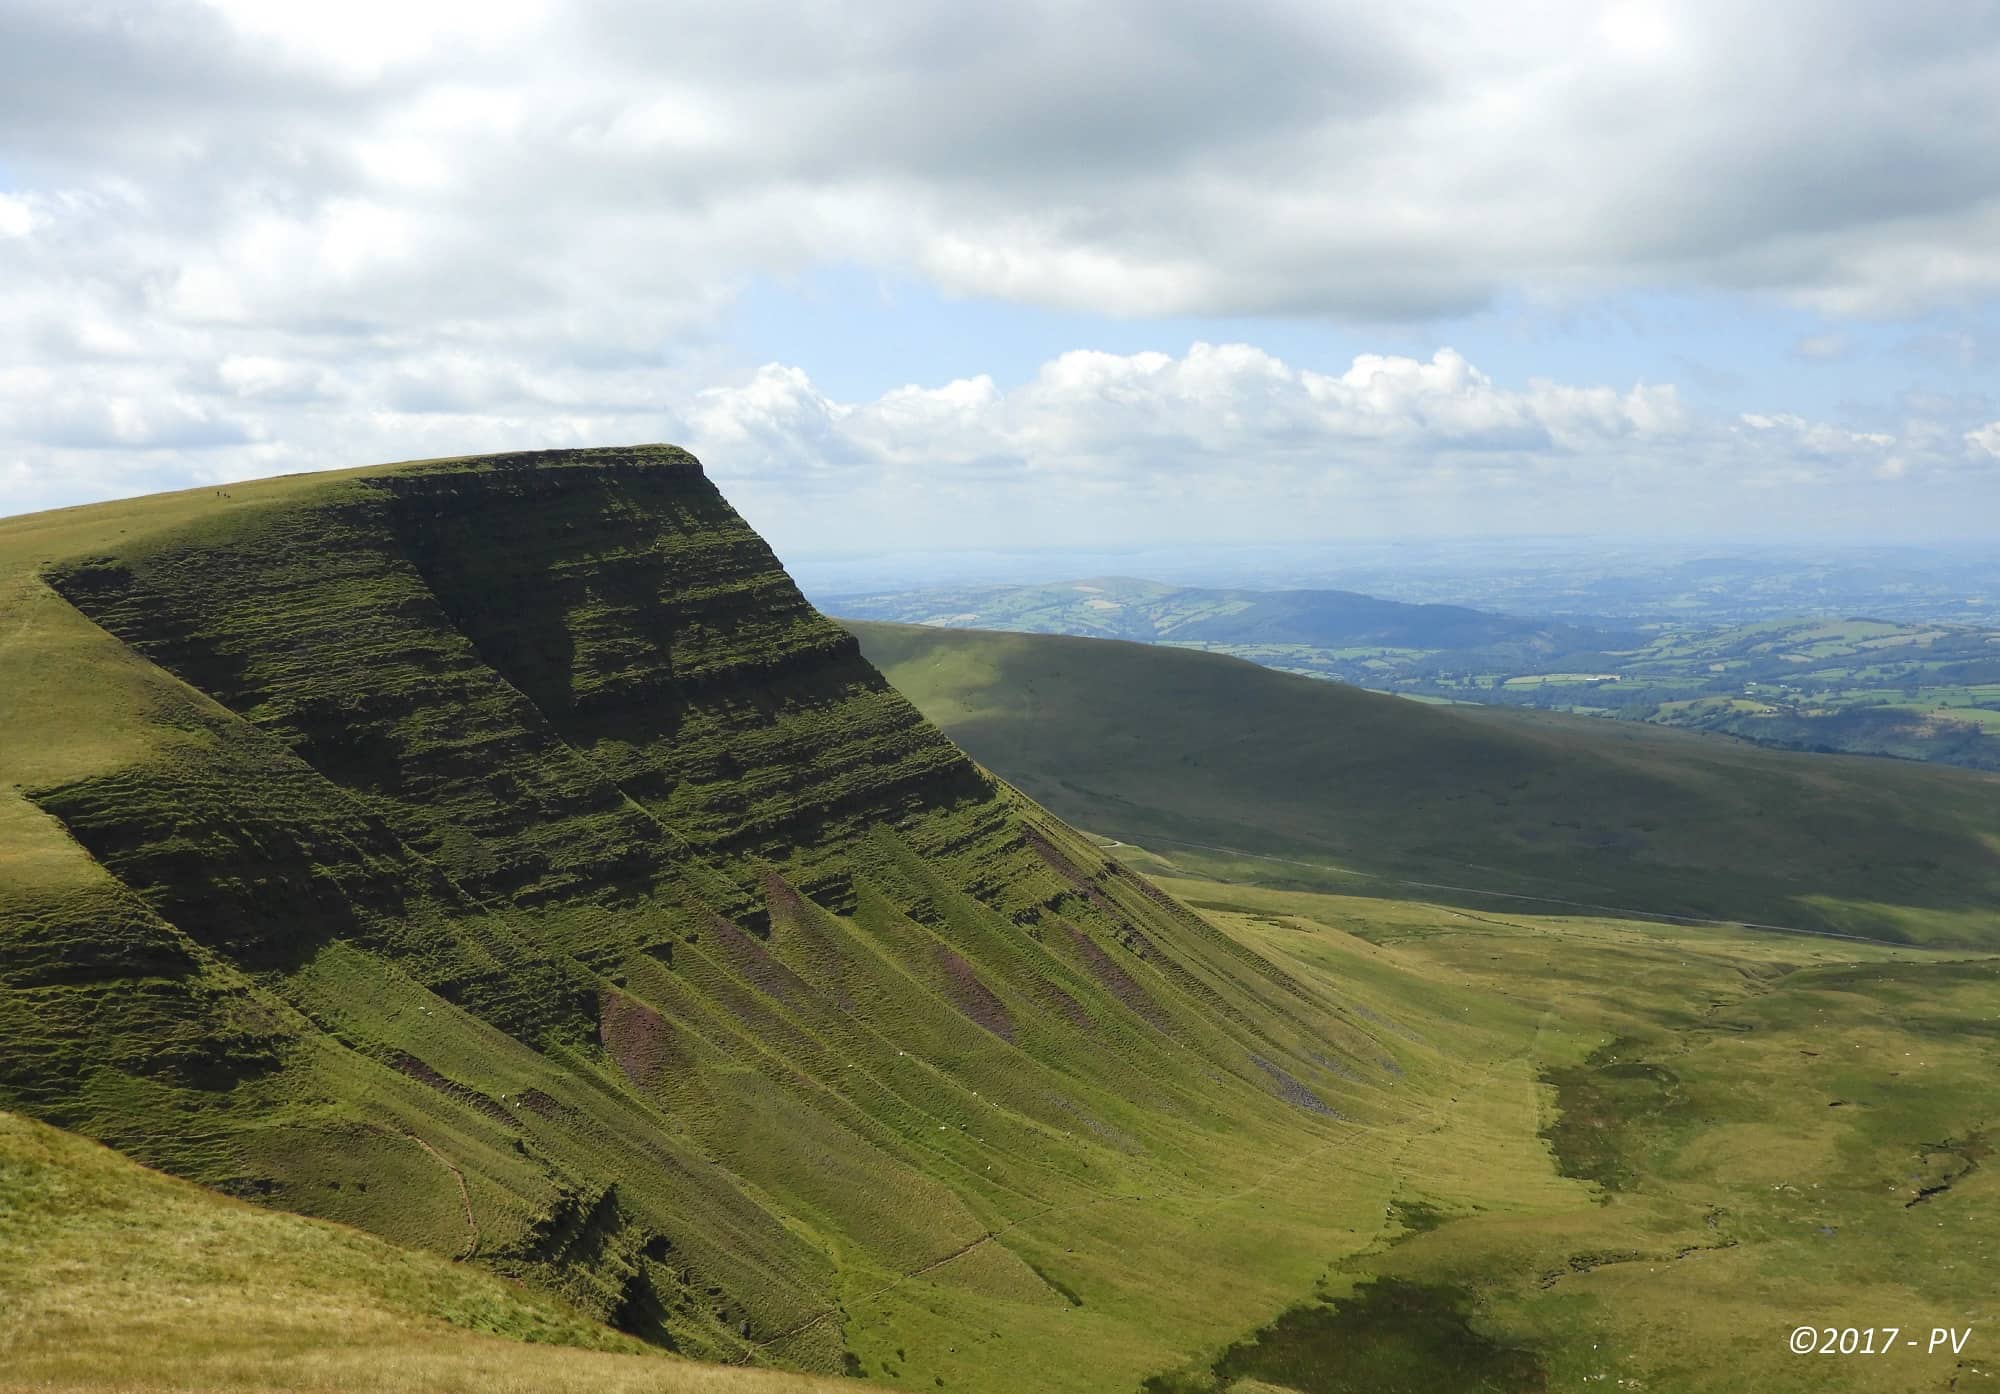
pixel 1201 753
pixel 501 856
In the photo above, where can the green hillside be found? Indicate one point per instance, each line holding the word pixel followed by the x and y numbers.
pixel 1204 753
pixel 499 856
pixel 496 864
pixel 112 1276
pixel 1920 691
pixel 1616 1152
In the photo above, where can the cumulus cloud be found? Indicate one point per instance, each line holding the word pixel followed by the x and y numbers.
pixel 1223 438
pixel 1232 438
pixel 1134 417
pixel 1817 438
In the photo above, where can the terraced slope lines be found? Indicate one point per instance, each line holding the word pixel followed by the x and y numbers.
pixel 501 856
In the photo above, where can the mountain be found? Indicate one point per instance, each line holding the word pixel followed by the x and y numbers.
pixel 1117 607
pixel 556 949
pixel 1224 762
pixel 499 856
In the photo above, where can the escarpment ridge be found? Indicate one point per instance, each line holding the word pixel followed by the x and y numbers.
pixel 500 855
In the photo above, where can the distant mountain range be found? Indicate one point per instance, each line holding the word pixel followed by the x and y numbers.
pixel 1121 607
pixel 1603 582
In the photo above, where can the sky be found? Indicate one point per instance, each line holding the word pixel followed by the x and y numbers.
pixel 1042 274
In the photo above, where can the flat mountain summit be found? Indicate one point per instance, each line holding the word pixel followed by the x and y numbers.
pixel 501 856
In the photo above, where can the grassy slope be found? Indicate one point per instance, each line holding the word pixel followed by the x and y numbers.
pixel 1142 742
pixel 114 1276
pixel 500 856
pixel 1715 1199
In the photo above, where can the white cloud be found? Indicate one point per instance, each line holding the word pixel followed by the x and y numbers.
pixel 249 234
pixel 1223 438
pixel 1818 438
pixel 1244 443
pixel 363 37
pixel 17 216
pixel 1143 415
pixel 1822 347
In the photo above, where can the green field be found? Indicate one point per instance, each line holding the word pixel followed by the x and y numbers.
pixel 1919 691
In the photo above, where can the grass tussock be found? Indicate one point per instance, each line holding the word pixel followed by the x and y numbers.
pixel 118 1278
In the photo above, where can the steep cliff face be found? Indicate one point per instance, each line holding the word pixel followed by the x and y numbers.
pixel 517 865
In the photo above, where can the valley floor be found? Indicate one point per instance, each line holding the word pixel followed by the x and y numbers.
pixel 1683 1145
pixel 1597 1154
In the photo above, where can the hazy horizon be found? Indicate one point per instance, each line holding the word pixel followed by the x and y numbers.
pixel 1711 584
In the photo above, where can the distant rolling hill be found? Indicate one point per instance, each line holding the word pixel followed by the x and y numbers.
pixel 1119 607
pixel 1207 753
pixel 1865 687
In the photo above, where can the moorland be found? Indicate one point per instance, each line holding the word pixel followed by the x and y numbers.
pixel 471 924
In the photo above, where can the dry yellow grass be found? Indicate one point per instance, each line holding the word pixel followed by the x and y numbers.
pixel 466 1365
pixel 116 1278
